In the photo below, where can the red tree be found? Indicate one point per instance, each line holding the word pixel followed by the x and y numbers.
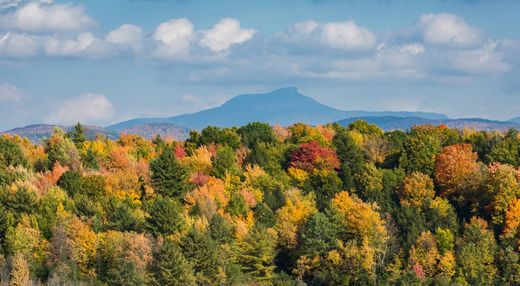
pixel 312 155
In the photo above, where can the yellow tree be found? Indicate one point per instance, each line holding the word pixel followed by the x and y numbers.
pixel 361 219
pixel 503 186
pixel 416 190
pixel 20 274
pixel 292 216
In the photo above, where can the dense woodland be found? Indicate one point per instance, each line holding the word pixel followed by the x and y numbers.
pixel 263 205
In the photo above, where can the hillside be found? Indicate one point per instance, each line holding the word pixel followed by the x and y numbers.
pixel 405 123
pixel 151 130
pixel 37 132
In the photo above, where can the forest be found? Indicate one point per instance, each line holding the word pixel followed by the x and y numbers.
pixel 262 205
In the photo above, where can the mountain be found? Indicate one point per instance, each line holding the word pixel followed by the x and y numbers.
pixel 283 106
pixel 516 120
pixel 405 123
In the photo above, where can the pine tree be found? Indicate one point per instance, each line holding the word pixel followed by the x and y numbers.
pixel 171 267
pixel 169 177
pixel 165 216
pixel 256 254
pixel 77 134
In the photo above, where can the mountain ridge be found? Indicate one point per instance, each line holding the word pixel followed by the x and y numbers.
pixel 282 106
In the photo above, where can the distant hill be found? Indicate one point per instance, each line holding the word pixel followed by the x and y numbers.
pixel 283 106
pixel 516 120
pixel 151 130
pixel 37 132
pixel 405 123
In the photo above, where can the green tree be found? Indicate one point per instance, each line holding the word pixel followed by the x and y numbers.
pixel 221 230
pixel 319 235
pixel 419 150
pixel 350 155
pixel 225 162
pixel 10 153
pixel 507 151
pixel 169 177
pixel 171 268
pixel 203 254
pixel 70 181
pixel 165 216
pixel 61 149
pixel 256 132
pixel 476 254
pixel 325 185
pixel 77 134
pixel 256 254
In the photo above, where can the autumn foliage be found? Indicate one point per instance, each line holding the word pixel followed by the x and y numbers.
pixel 262 205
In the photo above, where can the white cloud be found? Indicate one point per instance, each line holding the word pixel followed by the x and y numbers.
pixel 86 108
pixel 413 49
pixel 6 4
pixel 345 35
pixel 40 17
pixel 447 29
pixel 10 93
pixel 484 60
pixel 84 44
pixel 126 34
pixel 224 34
pixel 174 38
pixel 16 45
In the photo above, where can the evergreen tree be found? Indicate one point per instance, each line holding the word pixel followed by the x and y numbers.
pixel 11 154
pixel 350 156
pixel 77 134
pixel 165 216
pixel 203 254
pixel 170 267
pixel 256 254
pixel 169 177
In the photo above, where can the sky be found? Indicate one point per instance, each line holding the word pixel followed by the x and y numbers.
pixel 101 62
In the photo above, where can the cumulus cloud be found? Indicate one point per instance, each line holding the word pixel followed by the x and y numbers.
pixel 447 29
pixel 126 34
pixel 16 45
pixel 10 93
pixel 345 35
pixel 174 38
pixel 84 44
pixel 87 108
pixel 41 17
pixel 224 34
pixel 484 60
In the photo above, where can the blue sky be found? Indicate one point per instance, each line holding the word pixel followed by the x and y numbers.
pixel 100 62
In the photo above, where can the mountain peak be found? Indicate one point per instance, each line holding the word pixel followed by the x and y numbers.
pixel 282 106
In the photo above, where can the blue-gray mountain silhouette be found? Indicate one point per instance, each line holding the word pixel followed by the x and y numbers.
pixel 283 106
